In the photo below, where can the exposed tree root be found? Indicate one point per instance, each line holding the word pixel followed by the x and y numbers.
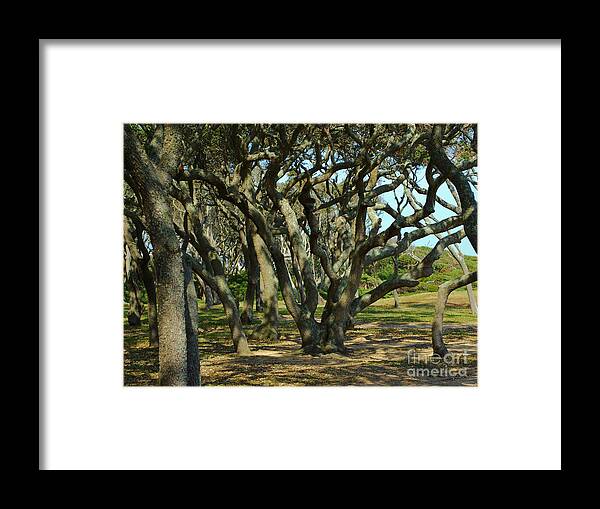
pixel 264 331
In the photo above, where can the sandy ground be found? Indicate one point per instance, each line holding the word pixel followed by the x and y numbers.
pixel 386 355
pixel 381 354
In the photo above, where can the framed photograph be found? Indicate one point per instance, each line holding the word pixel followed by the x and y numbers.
pixel 237 257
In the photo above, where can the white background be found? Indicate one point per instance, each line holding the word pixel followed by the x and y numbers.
pixel 512 420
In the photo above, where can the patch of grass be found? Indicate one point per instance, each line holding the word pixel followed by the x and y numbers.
pixel 420 308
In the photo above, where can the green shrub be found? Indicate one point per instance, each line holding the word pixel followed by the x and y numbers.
pixel 238 283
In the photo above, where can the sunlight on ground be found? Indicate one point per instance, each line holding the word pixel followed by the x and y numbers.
pixel 384 346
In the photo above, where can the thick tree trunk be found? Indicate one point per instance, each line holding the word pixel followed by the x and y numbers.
pixel 335 323
pixel 152 181
pixel 172 351
pixel 444 291
pixel 191 326
pixel 310 335
pixel 327 337
pixel 333 336
pixel 252 269
pixel 268 287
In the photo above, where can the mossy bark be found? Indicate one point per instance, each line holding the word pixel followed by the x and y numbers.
pixel 151 177
pixel 252 271
pixel 191 326
pixel 268 288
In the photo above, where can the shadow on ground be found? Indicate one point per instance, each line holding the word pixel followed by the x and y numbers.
pixel 381 354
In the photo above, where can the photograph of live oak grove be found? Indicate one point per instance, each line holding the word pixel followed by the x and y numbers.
pixel 300 254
